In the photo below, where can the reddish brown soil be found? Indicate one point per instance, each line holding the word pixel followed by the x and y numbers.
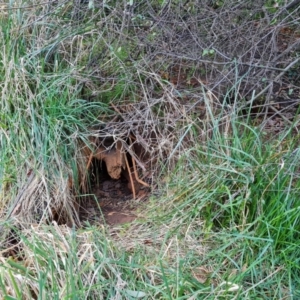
pixel 111 202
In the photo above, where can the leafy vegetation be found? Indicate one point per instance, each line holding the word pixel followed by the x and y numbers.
pixel 210 94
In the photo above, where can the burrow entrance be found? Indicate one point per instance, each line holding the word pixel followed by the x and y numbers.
pixel 112 180
pixel 109 180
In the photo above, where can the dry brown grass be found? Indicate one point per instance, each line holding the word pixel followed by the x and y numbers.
pixel 146 82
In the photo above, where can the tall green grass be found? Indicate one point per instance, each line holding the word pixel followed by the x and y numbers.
pixel 245 189
pixel 225 226
pixel 44 119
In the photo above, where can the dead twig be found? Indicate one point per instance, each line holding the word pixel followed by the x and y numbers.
pixel 116 109
pixel 261 93
pixel 135 169
pixel 130 177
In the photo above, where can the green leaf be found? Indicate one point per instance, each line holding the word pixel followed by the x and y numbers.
pixel 205 52
pixel 91 4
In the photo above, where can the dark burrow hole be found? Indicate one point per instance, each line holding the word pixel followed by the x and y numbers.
pixel 105 195
pixel 99 178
